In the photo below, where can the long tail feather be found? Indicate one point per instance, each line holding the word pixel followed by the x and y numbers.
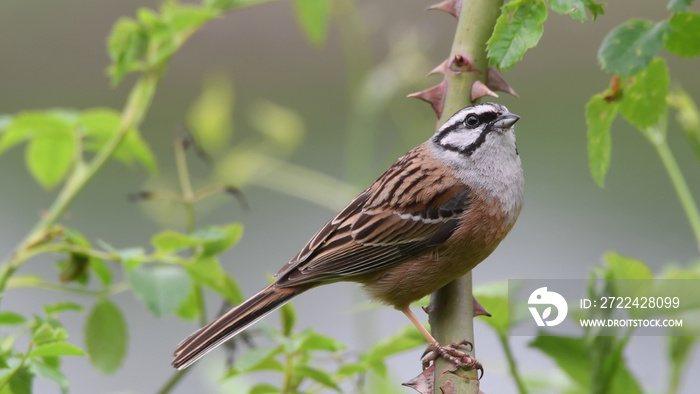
pixel 231 323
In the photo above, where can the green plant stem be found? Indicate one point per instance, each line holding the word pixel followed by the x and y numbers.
pixel 287 386
pixel 189 200
pixel 111 290
pixel 452 320
pixel 173 381
pixel 185 184
pixel 474 28
pixel 136 107
pixel 451 313
pixel 680 184
pixel 512 365
pixel 170 258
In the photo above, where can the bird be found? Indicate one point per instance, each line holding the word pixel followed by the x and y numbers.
pixel 431 217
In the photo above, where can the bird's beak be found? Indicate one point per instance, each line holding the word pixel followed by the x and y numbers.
pixel 506 120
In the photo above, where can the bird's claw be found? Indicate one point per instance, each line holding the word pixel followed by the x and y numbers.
pixel 452 353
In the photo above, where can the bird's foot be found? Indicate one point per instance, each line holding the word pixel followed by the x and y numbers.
pixel 452 353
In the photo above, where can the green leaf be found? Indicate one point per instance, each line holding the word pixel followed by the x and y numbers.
pixel 573 356
pixel 622 267
pixel 281 126
pixel 126 46
pixel 350 369
pixel 50 156
pixel 171 241
pixel 377 383
pixel 11 318
pixel 130 257
pixel 684 37
pixel 218 239
pixel 208 272
pixel 209 117
pixel 630 47
pixel 150 19
pixel 264 388
pixel 137 148
pixel 518 29
pixel 100 124
pixel 254 359
pixel 63 306
pixel 679 5
pixel 101 270
pixel 227 5
pixel 160 288
pixel 570 354
pixel 576 8
pixel 317 375
pixel 407 338
pixel 289 318
pixel 43 334
pixel 213 239
pixel 688 117
pixel 27 124
pixel 75 237
pixel 74 269
pixel 17 130
pixel 56 349
pixel 313 17
pixel 50 372
pixel 616 372
pixel 189 308
pixel 680 348
pixel 51 148
pixel 595 8
pixel 183 17
pixel 167 31
pixel 106 336
pixel 644 101
pixel 600 114
pixel 316 341
pixel 293 344
pixel 21 381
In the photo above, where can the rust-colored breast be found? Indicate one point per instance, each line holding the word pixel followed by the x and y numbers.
pixel 483 227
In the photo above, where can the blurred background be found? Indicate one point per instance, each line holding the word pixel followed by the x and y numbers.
pixel 353 120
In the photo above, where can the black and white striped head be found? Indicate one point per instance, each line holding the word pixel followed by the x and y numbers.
pixel 479 143
pixel 475 126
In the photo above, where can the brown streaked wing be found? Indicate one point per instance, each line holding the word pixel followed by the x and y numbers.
pixel 325 231
pixel 382 232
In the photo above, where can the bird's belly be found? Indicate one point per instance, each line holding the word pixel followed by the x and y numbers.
pixel 411 280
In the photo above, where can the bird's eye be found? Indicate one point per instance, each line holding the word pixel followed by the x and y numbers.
pixel 472 120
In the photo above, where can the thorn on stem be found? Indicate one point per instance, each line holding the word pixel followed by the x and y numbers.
pixel 479 309
pixel 495 81
pixel 435 96
pixel 480 90
pixel 423 383
pixel 441 68
pixel 452 7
